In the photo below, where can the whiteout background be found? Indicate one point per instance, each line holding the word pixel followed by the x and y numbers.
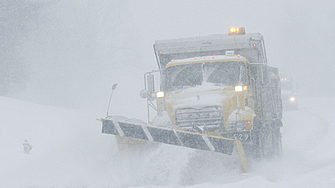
pixel 76 50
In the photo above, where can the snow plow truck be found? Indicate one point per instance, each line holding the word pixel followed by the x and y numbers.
pixel 215 93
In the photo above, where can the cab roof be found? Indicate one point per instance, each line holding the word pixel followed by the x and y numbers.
pixel 249 45
pixel 205 59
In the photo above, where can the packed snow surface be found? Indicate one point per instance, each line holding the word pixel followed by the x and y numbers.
pixel 69 151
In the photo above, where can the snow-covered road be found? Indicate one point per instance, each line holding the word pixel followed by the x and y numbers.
pixel 69 151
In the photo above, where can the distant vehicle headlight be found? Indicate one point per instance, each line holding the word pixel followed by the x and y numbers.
pixel 292 99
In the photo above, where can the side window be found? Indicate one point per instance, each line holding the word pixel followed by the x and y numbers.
pixel 243 74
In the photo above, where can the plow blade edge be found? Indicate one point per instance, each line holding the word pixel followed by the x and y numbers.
pixel 175 137
pixel 169 136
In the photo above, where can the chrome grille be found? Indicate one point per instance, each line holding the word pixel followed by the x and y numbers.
pixel 209 118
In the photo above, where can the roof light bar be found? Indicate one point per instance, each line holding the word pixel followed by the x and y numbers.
pixel 236 31
pixel 230 53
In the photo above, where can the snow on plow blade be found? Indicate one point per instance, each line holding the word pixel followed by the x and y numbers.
pixel 174 137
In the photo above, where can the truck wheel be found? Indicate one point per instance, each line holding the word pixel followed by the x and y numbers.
pixel 258 144
pixel 277 142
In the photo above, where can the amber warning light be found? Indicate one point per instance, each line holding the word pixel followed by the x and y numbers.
pixel 236 31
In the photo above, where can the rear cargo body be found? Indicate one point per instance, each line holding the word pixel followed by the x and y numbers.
pixel 166 50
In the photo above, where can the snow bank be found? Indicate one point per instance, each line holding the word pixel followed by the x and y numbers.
pixel 70 151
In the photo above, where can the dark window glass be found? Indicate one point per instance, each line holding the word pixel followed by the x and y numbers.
pixel 229 73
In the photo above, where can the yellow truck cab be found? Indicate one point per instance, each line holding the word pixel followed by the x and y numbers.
pixel 209 94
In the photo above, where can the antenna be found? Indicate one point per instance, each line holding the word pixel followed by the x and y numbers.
pixel 113 88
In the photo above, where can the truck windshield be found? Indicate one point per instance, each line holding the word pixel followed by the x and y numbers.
pixel 226 73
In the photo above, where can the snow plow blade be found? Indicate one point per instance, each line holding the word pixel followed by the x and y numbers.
pixel 174 137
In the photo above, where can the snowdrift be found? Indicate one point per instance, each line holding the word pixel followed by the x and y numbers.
pixel 70 151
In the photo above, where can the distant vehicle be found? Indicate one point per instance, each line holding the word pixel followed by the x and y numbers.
pixel 288 95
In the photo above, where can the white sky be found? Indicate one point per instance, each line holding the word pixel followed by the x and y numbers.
pixel 87 46
pixel 298 34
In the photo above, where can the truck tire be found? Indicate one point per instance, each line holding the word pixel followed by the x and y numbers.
pixel 277 142
pixel 258 145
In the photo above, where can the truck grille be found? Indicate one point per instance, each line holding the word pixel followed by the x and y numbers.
pixel 209 118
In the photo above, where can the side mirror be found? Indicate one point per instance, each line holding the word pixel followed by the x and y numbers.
pixel 114 86
pixel 151 83
pixel 144 93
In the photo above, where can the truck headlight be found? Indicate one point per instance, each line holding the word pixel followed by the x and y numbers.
pixel 292 99
pixel 160 94
pixel 238 88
